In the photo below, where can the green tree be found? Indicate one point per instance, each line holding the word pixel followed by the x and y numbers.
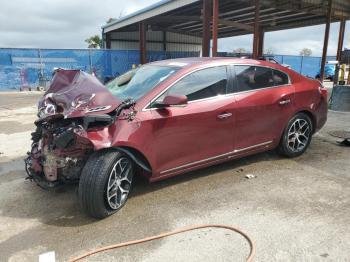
pixel 240 50
pixel 94 41
pixel 269 51
pixel 305 52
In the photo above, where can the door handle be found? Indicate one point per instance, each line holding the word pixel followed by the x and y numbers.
pixel 284 101
pixel 225 115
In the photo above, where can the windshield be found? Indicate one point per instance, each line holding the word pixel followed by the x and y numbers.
pixel 143 81
pixel 121 80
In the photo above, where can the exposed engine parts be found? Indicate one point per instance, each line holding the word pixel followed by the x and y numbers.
pixel 71 114
pixel 58 153
pixel 63 138
pixel 60 146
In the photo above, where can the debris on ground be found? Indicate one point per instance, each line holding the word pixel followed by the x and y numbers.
pixel 250 176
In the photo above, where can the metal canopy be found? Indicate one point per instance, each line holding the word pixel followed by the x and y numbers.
pixel 206 20
pixel 236 17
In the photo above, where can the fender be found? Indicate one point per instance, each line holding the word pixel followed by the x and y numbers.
pixel 135 158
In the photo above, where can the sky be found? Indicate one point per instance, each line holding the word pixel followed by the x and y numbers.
pixel 67 23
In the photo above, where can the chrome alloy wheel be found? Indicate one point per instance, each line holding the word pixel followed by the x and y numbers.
pixel 299 135
pixel 119 183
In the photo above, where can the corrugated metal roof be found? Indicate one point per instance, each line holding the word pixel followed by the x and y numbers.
pixel 148 12
pixel 143 10
pixel 184 16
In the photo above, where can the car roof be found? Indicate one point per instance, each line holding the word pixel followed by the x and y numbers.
pixel 198 61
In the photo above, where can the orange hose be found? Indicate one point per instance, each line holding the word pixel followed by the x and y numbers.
pixel 177 231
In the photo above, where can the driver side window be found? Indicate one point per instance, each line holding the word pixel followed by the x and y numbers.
pixel 201 84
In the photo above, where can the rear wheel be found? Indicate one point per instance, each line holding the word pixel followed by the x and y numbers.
pixel 296 136
pixel 105 183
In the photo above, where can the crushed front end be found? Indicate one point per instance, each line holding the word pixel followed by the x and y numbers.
pixel 75 104
pixel 58 152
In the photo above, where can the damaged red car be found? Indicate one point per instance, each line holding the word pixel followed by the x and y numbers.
pixel 167 118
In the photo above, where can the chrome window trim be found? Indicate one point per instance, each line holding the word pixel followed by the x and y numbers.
pixel 145 108
pixel 228 154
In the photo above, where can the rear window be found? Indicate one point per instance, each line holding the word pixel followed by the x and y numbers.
pixel 253 77
pixel 280 78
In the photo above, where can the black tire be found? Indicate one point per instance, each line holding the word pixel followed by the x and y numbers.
pixel 288 145
pixel 94 183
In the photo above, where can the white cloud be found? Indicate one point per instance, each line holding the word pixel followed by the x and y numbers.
pixel 58 24
pixel 290 42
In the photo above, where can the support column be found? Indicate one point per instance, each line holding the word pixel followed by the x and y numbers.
pixel 341 38
pixel 214 50
pixel 256 30
pixel 206 28
pixel 326 37
pixel 108 40
pixel 142 41
pixel 261 43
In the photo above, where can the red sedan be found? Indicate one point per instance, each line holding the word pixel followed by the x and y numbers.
pixel 167 118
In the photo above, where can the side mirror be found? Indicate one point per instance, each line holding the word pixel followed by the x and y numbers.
pixel 172 100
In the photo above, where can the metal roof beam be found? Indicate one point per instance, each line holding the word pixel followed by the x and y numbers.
pixel 174 19
pixel 246 17
pixel 236 25
pixel 172 30
pixel 296 24
pixel 278 19
pixel 310 8
pixel 198 19
pixel 281 23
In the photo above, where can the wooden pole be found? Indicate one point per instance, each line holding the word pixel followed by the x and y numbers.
pixel 341 38
pixel 206 28
pixel 261 43
pixel 256 30
pixel 142 41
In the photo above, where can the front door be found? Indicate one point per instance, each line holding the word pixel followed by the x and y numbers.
pixel 201 130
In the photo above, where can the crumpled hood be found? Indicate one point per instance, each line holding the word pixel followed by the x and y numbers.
pixel 74 93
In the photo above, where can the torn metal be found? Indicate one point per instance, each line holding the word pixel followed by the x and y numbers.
pixel 74 116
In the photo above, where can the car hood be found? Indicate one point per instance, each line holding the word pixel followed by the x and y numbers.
pixel 74 93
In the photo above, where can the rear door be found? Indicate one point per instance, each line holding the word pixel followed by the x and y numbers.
pixel 264 104
pixel 191 135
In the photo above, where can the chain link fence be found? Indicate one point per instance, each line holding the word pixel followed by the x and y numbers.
pixel 30 68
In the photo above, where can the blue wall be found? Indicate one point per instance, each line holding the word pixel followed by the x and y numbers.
pixel 306 65
pixel 25 67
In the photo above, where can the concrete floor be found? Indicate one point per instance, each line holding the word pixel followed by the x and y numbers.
pixel 295 209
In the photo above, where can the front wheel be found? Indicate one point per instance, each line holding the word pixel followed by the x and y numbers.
pixel 297 136
pixel 105 183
